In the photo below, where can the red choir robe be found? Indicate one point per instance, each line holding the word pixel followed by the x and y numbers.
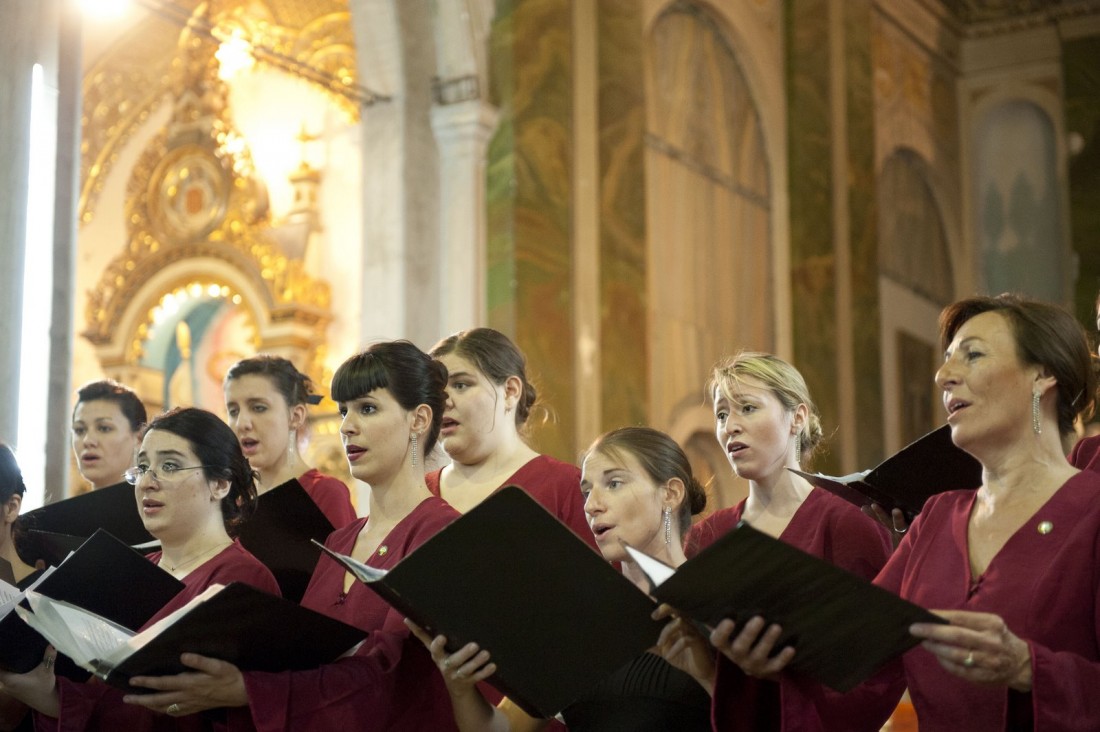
pixel 331 496
pixel 554 484
pixel 1086 454
pixel 391 682
pixel 826 527
pixel 96 706
pixel 1044 583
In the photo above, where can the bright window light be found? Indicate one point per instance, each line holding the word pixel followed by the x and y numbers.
pixel 105 9
pixel 37 290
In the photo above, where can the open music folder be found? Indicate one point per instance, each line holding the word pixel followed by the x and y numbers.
pixel 250 628
pixel 842 627
pixel 933 464
pixel 105 576
pixel 556 617
pixel 280 534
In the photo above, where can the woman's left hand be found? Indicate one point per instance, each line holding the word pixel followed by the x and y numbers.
pixel 978 647
pixel 211 685
pixel 37 688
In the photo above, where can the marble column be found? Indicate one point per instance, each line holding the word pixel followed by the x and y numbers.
pixel 65 229
pixel 462 131
pixel 18 54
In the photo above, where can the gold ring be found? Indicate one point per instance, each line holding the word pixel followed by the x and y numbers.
pixel 173 709
pixel 969 660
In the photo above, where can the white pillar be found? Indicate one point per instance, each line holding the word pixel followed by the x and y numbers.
pixel 462 132
pixel 18 54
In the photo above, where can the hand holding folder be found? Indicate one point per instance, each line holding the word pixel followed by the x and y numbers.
pixel 842 627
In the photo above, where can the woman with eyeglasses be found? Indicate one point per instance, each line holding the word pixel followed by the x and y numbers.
pixel 192 485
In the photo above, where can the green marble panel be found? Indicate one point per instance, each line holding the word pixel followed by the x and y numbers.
pixel 813 262
pixel 863 222
pixel 529 192
pixel 623 323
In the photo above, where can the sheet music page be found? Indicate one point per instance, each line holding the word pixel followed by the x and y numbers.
pixel 79 634
pixel 656 570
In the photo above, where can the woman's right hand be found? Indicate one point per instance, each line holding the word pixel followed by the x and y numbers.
pixel 895 521
pixel 461 670
pixel 684 647
pixel 751 648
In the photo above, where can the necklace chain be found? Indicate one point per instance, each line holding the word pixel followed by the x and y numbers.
pixel 194 558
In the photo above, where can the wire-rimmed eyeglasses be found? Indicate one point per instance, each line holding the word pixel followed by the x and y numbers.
pixel 134 475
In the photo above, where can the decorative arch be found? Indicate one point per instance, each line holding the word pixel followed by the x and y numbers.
pixel 709 206
pixel 916 280
pixel 1018 202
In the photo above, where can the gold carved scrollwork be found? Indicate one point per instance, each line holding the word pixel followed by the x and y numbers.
pixel 192 196
pixel 132 79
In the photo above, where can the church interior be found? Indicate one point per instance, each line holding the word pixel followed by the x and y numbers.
pixel 630 189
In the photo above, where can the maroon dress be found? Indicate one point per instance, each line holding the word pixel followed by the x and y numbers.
pixel 391 682
pixel 826 527
pixel 96 706
pixel 1044 583
pixel 1086 454
pixel 331 496
pixel 554 484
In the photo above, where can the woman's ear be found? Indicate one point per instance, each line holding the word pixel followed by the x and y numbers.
pixel 421 419
pixel 220 489
pixel 11 509
pixel 299 414
pixel 799 418
pixel 513 392
pixel 1044 381
pixel 674 493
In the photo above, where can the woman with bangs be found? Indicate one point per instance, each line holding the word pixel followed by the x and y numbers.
pixel 391 397
pixel 766 422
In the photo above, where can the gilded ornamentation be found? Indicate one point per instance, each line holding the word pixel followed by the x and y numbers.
pixel 192 196
pixel 131 80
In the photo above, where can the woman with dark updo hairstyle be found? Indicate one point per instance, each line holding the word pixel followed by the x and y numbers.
pixel 391 397
pixel 266 400
pixel 192 486
pixel 489 403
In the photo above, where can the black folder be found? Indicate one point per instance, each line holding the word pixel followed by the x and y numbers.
pixel 933 464
pixel 53 530
pixel 104 576
pixel 250 628
pixel 508 575
pixel 842 627
pixel 280 535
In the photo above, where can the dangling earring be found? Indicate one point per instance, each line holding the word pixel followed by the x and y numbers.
pixel 415 459
pixel 668 525
pixel 1035 423
pixel 291 444
pixel 798 447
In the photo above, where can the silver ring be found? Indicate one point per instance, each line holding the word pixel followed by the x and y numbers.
pixel 969 660
pixel 48 662
pixel 446 663
pixel 901 531
pixel 173 709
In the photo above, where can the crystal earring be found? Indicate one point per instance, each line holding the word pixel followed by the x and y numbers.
pixel 1036 424
pixel 668 526
pixel 291 444
pixel 415 459
pixel 798 448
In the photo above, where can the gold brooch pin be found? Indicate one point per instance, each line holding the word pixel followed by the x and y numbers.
pixel 383 549
pixel 1045 527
